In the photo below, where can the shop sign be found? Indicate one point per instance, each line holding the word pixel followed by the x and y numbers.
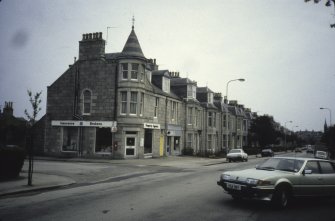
pixel 152 126
pixel 75 123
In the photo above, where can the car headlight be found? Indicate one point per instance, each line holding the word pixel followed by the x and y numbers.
pixel 225 176
pixel 258 182
pixel 252 181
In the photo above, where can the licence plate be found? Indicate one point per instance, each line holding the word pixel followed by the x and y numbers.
pixel 233 186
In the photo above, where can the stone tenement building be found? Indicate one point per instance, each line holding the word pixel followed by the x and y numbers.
pixel 122 105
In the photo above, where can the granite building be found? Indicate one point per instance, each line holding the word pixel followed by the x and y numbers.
pixel 121 105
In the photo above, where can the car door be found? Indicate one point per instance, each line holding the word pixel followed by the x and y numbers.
pixel 328 177
pixel 310 183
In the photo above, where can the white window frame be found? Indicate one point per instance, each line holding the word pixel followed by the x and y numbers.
pixel 133 103
pixel 156 107
pixel 123 102
pixel 90 102
pixel 123 71
pixel 134 71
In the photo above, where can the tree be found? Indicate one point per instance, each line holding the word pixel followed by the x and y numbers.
pixel 35 101
pixel 328 4
pixel 263 131
pixel 329 138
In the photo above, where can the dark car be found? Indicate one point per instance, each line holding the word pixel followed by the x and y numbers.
pixel 267 153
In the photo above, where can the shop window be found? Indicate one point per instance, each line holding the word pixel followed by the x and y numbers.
pixel 104 141
pixel 70 139
pixel 147 141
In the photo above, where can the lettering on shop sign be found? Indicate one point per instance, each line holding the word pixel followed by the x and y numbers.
pixel 73 123
pixel 152 126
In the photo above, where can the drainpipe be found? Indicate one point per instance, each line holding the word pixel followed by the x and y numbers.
pixel 166 127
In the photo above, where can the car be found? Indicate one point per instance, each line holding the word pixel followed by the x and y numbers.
pixel 321 154
pixel 237 155
pixel 309 150
pixel 297 150
pixel 267 153
pixel 280 179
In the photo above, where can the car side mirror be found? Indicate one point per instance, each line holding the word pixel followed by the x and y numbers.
pixel 307 172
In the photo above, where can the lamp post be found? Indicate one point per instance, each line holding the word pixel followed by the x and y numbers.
pixel 285 133
pixel 226 99
pixel 330 114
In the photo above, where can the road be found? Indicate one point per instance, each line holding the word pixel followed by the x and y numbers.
pixel 163 194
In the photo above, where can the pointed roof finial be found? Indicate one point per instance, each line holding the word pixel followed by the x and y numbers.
pixel 133 20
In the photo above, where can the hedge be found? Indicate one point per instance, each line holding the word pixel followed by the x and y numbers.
pixel 11 162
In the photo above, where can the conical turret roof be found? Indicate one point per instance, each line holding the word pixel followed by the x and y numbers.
pixel 132 46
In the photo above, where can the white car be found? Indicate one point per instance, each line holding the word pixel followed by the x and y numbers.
pixel 321 154
pixel 279 179
pixel 237 155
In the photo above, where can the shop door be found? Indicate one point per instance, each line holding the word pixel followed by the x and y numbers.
pixel 130 145
pixel 176 146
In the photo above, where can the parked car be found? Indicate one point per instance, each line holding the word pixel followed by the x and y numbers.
pixel 297 150
pixel 321 154
pixel 309 150
pixel 279 179
pixel 237 155
pixel 267 153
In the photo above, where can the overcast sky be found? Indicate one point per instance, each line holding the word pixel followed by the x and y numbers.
pixel 284 49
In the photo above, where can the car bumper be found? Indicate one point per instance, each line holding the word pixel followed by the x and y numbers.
pixel 248 191
pixel 234 158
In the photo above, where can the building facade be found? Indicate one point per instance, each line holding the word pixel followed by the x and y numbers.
pixel 121 105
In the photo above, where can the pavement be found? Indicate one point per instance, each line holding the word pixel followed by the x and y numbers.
pixel 45 179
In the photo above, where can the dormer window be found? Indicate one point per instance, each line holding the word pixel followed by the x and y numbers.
pixel 191 91
pixel 210 98
pixel 166 84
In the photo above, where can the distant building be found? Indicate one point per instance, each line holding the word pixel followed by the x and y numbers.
pixel 12 129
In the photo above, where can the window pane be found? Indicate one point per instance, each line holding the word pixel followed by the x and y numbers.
pixel 87 102
pixel 312 165
pixel 125 71
pixel 326 168
pixel 134 71
pixel 123 102
pixel 133 102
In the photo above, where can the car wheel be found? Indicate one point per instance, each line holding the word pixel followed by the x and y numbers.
pixel 281 198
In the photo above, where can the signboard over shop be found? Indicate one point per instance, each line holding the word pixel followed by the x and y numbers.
pixel 152 126
pixel 76 123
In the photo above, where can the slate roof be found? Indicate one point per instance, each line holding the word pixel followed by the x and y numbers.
pixel 164 73
pixel 132 46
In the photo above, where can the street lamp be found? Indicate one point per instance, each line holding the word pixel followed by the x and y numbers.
pixel 330 114
pixel 285 133
pixel 226 99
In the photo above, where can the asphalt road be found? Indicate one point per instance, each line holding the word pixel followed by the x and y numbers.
pixel 164 194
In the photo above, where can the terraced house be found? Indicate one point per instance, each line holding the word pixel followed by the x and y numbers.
pixel 121 105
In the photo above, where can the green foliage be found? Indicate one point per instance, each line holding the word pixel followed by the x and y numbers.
pixel 329 139
pixel 11 162
pixel 262 130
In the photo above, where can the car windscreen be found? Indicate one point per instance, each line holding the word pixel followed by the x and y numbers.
pixel 291 165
